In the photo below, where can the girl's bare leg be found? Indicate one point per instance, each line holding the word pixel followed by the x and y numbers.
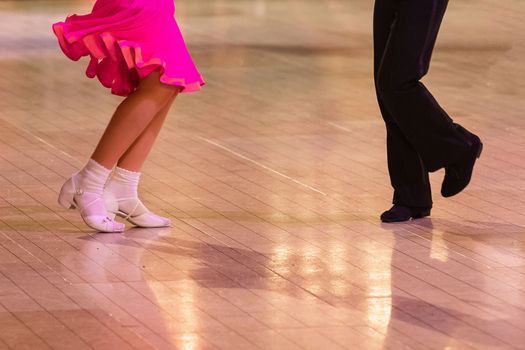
pixel 121 191
pixel 136 154
pixel 125 132
pixel 132 118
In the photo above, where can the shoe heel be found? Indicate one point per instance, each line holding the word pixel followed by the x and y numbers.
pixel 423 214
pixel 66 198
pixel 480 150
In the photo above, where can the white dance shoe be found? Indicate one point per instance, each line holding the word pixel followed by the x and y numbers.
pixel 134 211
pixel 91 206
pixel 121 196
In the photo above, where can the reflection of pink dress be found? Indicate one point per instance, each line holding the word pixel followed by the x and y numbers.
pixel 127 40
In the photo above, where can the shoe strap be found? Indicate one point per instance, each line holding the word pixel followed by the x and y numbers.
pixel 138 202
pixel 80 192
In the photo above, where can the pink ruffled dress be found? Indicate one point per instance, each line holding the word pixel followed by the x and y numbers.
pixel 127 40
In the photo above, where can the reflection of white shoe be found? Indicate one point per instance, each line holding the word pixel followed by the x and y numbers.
pixel 122 199
pixel 91 205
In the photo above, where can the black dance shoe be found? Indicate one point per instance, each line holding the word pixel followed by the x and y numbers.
pixel 458 175
pixel 400 213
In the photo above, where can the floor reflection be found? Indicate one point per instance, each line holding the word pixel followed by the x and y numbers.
pixel 443 307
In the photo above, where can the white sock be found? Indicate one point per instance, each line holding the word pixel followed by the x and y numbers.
pixel 93 177
pixel 121 193
pixel 123 185
pixel 90 187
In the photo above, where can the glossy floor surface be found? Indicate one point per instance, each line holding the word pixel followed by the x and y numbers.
pixel 274 176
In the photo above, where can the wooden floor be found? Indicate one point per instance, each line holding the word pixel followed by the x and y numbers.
pixel 274 176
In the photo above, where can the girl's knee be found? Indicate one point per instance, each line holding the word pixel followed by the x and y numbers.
pixel 152 84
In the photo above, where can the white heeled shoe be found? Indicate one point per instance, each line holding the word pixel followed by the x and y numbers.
pixel 71 197
pixel 140 216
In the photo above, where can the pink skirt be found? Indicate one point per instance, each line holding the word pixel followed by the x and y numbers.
pixel 127 40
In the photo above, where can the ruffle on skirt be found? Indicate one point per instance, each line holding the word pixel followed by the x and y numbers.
pixel 127 40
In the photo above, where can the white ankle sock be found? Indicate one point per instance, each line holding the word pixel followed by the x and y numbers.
pixel 93 177
pixel 121 195
pixel 90 189
pixel 123 185
pixel 84 191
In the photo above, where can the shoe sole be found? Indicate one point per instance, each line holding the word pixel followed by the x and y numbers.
pixel 415 217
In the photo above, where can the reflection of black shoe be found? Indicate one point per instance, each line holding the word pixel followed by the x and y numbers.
pixel 458 175
pixel 399 213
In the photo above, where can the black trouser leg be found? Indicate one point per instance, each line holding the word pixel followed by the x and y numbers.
pixel 408 175
pixel 421 136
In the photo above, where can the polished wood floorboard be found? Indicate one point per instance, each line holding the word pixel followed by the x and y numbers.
pixel 274 177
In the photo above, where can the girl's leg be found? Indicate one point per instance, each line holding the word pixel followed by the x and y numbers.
pixel 132 118
pixel 121 192
pixel 136 155
pixel 85 189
